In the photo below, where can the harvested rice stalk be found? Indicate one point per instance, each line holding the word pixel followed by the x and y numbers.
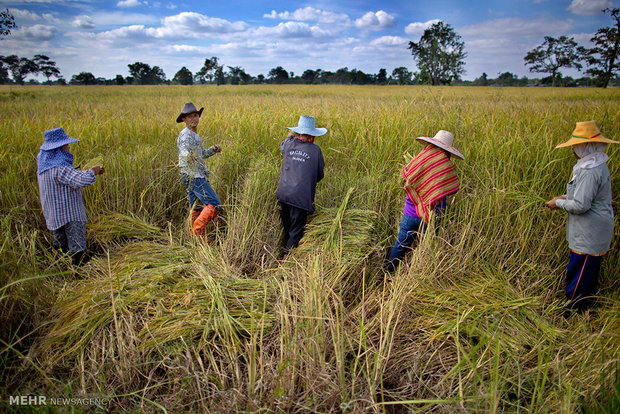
pixel 113 227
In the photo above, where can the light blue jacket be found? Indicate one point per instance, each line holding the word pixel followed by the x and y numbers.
pixel 590 225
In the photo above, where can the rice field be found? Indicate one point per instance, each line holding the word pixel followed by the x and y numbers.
pixel 159 321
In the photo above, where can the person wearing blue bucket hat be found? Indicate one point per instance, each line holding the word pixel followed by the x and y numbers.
pixel 60 191
pixel 302 168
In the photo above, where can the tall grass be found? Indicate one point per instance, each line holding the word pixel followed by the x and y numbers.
pixel 159 321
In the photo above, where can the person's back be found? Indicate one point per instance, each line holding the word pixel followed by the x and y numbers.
pixel 302 168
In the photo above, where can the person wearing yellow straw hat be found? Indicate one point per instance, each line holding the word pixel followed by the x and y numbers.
pixel 590 225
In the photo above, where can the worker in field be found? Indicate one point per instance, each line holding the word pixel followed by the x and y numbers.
pixel 429 178
pixel 194 173
pixel 302 168
pixel 60 191
pixel 590 225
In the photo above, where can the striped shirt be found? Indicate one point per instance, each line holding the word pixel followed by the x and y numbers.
pixel 430 176
pixel 60 189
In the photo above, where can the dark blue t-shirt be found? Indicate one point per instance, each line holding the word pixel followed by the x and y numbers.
pixel 302 168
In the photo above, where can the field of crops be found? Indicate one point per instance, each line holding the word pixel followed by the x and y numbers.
pixel 159 321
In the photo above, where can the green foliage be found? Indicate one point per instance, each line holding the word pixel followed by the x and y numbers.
pixel 552 55
pixel 439 55
pixel 604 58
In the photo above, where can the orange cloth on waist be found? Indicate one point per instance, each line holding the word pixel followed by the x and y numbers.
pixel 429 177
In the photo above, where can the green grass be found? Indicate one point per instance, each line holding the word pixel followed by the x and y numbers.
pixel 159 321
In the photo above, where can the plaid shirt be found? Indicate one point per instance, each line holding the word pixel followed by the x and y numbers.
pixel 60 189
pixel 192 154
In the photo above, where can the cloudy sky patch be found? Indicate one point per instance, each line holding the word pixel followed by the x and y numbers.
pixel 103 37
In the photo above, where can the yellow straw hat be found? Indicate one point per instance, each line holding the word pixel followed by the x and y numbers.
pixel 586 132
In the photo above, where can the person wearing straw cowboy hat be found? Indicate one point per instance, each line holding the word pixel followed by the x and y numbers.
pixel 302 168
pixel 194 174
pixel 590 224
pixel 429 178
pixel 60 191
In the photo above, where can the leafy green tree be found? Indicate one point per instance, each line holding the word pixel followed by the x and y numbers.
pixel 219 76
pixel 184 77
pixel 483 80
pixel 47 67
pixel 119 80
pixel 277 75
pixel 208 70
pixel 552 55
pixel 20 67
pixel 143 74
pixel 439 55
pixel 7 22
pixel 382 77
pixel 83 78
pixel 237 75
pixel 604 58
pixel 402 75
pixel 4 71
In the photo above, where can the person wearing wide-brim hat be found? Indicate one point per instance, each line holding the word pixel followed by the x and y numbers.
pixel 194 173
pixel 590 225
pixel 429 178
pixel 60 191
pixel 302 169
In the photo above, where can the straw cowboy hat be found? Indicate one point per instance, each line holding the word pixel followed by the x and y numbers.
pixel 443 139
pixel 188 108
pixel 306 126
pixel 56 138
pixel 584 133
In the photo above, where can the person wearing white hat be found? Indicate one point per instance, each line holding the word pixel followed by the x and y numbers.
pixel 60 190
pixel 590 225
pixel 302 169
pixel 429 178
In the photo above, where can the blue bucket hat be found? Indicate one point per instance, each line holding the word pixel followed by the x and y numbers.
pixel 56 138
pixel 306 126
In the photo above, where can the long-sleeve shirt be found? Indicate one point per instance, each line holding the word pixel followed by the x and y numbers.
pixel 60 190
pixel 192 154
pixel 590 224
pixel 302 168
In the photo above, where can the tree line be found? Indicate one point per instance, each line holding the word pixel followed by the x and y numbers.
pixel 439 56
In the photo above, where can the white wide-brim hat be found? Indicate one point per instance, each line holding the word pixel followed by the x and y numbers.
pixel 306 126
pixel 443 139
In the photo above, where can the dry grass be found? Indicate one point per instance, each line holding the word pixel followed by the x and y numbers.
pixel 160 321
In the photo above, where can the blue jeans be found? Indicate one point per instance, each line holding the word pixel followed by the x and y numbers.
pixel 199 188
pixel 409 229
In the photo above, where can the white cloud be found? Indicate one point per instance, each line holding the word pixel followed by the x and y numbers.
pixel 38 32
pixel 514 27
pixel 83 22
pixel 50 18
pixel 390 41
pixel 309 14
pixel 121 18
pixel 191 24
pixel 171 6
pixel 418 28
pixel 589 7
pixel 376 21
pixel 128 3
pixel 24 14
pixel 582 38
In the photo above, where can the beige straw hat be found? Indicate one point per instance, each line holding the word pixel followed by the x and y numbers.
pixel 584 133
pixel 443 139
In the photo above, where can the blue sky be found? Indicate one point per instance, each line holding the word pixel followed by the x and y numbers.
pixel 103 37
